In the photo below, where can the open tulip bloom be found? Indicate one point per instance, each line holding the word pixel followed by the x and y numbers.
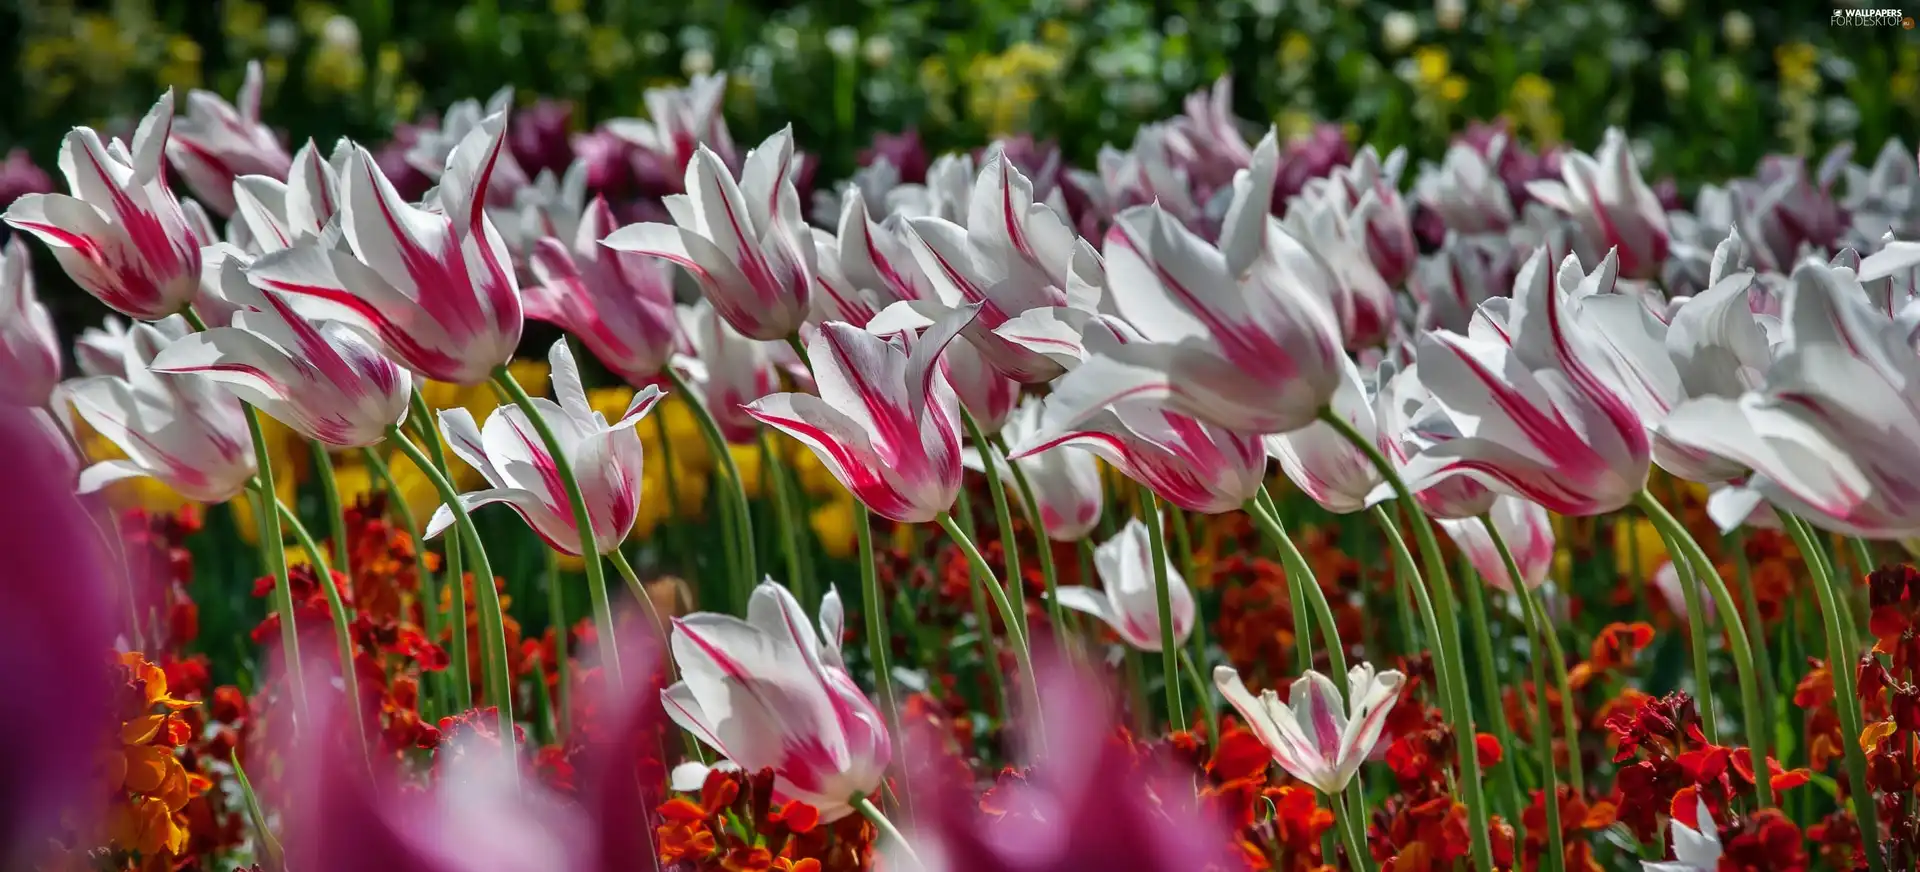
pixel 1128 603
pixel 886 422
pixel 1696 848
pixel 768 693
pixel 29 349
pixel 218 142
pixel 1317 737
pixel 1196 466
pixel 324 380
pixel 121 234
pixel 276 214
pixel 620 304
pixel 434 287
pixel 521 472
pixel 1065 481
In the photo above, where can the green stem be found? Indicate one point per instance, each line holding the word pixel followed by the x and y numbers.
pixel 422 420
pixel 1355 818
pixel 1556 661
pixel 989 661
pixel 582 519
pixel 783 513
pixel 429 596
pixel 1697 636
pixel 746 573
pixel 1042 544
pixel 1163 602
pixel 1002 516
pixel 1505 771
pixel 1543 728
pixel 1344 822
pixel 274 547
pixel 1299 577
pixel 659 627
pixel 1756 629
pixel 557 616
pixel 1205 694
pixel 879 639
pixel 337 610
pixel 1756 718
pixel 1863 554
pixel 499 682
pixel 1840 664
pixel 887 829
pixel 1446 641
pixel 336 511
pixel 1021 654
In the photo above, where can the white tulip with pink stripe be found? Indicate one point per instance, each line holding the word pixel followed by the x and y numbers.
pixel 1128 601
pixel 324 380
pixel 521 472
pixel 620 304
pixel 1321 462
pixel 886 422
pixel 434 286
pixel 1192 464
pixel 767 693
pixel 218 142
pixel 1525 527
pixel 29 347
pixel 746 242
pixel 279 214
pixel 1315 737
pixel 122 235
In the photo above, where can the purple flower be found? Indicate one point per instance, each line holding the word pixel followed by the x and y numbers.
pixel 19 175
pixel 538 136
pixel 1314 157
pixel 903 150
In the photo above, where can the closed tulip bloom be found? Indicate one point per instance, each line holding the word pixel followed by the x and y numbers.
pixel 986 394
pixel 744 241
pixel 1831 435
pixel 324 380
pixel 184 430
pixel 435 287
pixel 219 142
pixel 1065 481
pixel 1719 348
pixel 1334 228
pixel 1466 190
pixel 1241 335
pixel 1383 222
pixel 619 304
pixel 1127 600
pixel 1452 282
pixel 682 120
pixel 1612 205
pixel 729 369
pixel 1543 410
pixel 1316 737
pixel 886 422
pixel 1410 421
pixel 768 693
pixel 431 152
pixel 1321 462
pixel 1528 532
pixel 521 472
pixel 947 193
pixel 29 347
pixel 121 235
pixel 103 350
pixel 1194 465
pixel 280 214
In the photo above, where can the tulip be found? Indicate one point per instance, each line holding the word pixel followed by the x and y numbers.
pixel 1466 189
pixel 1382 221
pixel 1826 433
pixel 1452 282
pixel 184 430
pixel 986 394
pixel 1241 336
pixel 549 207
pixel 1718 347
pixel 521 472
pixel 1543 410
pixel 29 347
pixel 745 242
pixel 1196 466
pixel 1882 199
pixel 1410 421
pixel 768 693
pixel 103 350
pixel 947 193
pixel 1215 133
pixel 217 143
pixel 1015 256
pixel 1321 462
pixel 1696 848
pixel 619 304
pixel 1316 738
pixel 886 422
pixel 1612 205
pixel 278 215
pixel 1525 527
pixel 729 369
pixel 433 149
pixel 122 235
pixel 1127 603
pixel 1794 213
pixel 877 257
pixel 1066 483
pixel 435 287
pixel 683 121
pixel 323 380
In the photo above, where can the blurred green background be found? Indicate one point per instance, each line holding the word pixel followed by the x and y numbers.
pixel 1709 87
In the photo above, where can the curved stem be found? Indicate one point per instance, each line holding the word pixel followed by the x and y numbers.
pixel 887 829
pixel 1556 661
pixel 1756 720
pixel 1698 639
pixel 336 511
pixel 783 512
pixel 429 595
pixel 1300 576
pixel 1447 641
pixel 1840 664
pixel 275 550
pixel 879 639
pixel 1163 603
pixel 1021 654
pixel 977 586
pixel 1506 771
pixel 723 455
pixel 639 590
pixel 1002 516
pixel 337 610
pixel 1350 832
pixel 582 520
pixel 1205 693
pixel 499 681
pixel 1756 629
pixel 421 419
pixel 1537 627
pixel 1056 617
pixel 562 668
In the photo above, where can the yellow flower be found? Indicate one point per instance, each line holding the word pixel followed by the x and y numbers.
pixel 1639 540
pixel 832 524
pixel 1296 50
pixel 1432 63
pixel 1056 32
pixel 687 500
pixel 746 458
pixel 181 69
pixel 1797 62
pixel 1453 89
